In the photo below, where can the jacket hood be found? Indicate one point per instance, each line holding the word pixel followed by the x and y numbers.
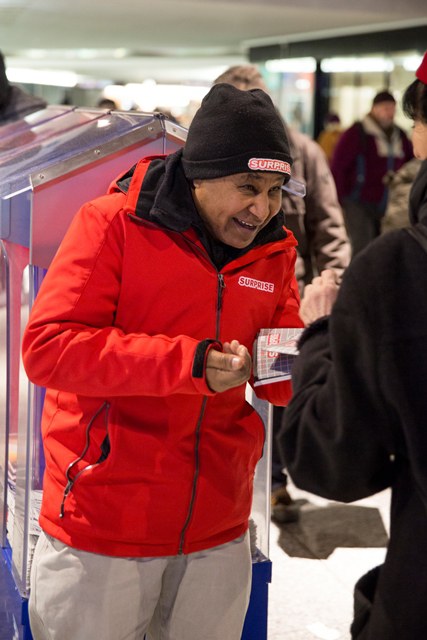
pixel 165 194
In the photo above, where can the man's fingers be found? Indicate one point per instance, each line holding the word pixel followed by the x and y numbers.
pixel 329 276
pixel 227 370
pixel 319 297
pixel 225 361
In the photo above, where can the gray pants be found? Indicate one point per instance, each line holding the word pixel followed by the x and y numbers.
pixel 77 595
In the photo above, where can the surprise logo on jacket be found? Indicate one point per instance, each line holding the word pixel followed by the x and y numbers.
pixel 256 284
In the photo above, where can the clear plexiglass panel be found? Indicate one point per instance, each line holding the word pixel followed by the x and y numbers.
pixel 43 144
pixel 260 515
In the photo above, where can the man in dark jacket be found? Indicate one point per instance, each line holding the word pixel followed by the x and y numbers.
pixel 14 102
pixel 365 153
pixel 357 421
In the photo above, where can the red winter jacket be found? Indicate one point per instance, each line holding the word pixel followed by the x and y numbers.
pixel 142 459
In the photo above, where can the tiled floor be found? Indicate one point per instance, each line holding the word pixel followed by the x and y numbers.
pixel 10 605
pixel 316 562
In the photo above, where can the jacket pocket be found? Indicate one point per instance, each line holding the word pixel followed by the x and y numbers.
pixel 82 463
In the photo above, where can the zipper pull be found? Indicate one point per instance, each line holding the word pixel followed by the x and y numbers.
pixel 221 287
pixel 66 492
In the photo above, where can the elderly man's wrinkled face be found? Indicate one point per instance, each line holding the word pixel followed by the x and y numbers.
pixel 235 208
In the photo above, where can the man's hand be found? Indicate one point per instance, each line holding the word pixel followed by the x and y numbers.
pixel 228 369
pixel 319 297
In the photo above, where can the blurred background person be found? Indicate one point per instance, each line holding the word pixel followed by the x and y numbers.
pixel 318 225
pixel 107 103
pixel 330 134
pixel 364 154
pixel 15 103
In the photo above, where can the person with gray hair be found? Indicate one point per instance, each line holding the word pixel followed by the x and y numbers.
pixel 318 225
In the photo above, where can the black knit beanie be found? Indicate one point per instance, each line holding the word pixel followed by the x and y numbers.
pixel 236 131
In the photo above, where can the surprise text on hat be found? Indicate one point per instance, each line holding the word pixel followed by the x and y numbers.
pixel 265 164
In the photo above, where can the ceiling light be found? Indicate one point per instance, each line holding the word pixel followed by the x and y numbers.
pixel 291 65
pixel 40 76
pixel 356 65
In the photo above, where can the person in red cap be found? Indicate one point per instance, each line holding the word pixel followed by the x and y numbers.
pixel 365 153
pixel 356 424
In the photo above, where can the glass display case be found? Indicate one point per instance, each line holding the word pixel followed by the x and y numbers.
pixel 50 164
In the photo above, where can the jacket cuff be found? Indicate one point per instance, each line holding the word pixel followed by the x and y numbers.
pixel 321 325
pixel 201 353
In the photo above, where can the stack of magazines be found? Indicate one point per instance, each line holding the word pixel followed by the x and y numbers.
pixel 273 354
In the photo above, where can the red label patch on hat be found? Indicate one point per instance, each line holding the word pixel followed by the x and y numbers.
pixel 266 164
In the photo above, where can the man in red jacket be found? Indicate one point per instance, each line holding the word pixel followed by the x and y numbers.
pixel 142 333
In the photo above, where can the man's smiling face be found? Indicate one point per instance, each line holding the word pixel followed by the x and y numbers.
pixel 235 208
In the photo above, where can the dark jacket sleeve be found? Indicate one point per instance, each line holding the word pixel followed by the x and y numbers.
pixel 335 437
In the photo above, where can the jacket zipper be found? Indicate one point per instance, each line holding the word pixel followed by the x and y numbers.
pixel 195 478
pixel 71 481
pixel 220 294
